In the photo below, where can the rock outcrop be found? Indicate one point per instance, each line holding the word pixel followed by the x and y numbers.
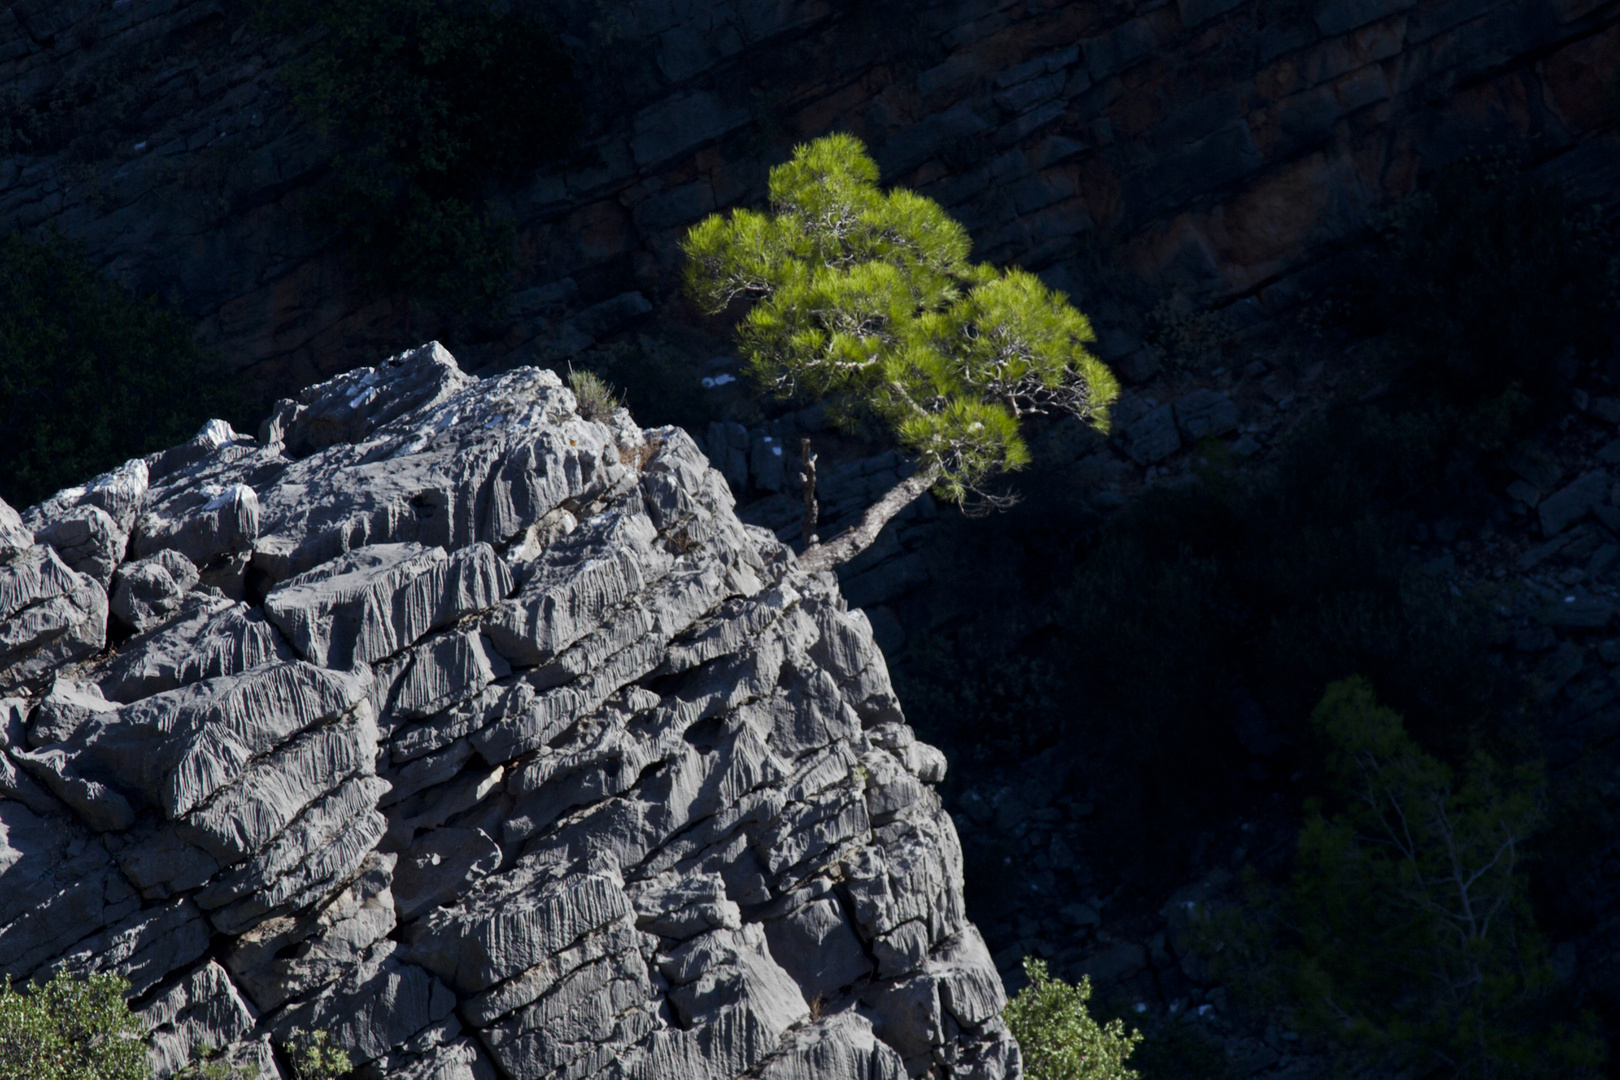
pixel 481 736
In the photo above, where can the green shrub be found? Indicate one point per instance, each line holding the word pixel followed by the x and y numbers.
pixel 1413 927
pixel 1059 1038
pixel 90 376
pixel 434 103
pixel 314 1059
pixel 70 1029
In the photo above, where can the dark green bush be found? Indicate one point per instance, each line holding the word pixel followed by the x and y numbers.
pixel 434 104
pixel 1410 913
pixel 90 376
pixel 70 1029
pixel 1407 929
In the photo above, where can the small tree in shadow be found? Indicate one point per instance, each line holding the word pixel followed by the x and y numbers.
pixel 1414 931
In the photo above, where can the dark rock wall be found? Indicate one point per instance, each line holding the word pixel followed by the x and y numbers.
pixel 1216 148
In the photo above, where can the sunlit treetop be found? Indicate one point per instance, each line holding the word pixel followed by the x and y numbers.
pixel 870 296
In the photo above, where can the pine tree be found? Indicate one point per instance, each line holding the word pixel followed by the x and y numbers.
pixel 1412 909
pixel 869 297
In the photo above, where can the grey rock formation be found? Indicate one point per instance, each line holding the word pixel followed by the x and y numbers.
pixel 1153 436
pixel 49 614
pixel 481 736
pixel 1205 412
pixel 147 591
pixel 14 536
pixel 1568 505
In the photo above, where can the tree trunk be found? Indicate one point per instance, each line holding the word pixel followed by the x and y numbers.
pixel 812 509
pixel 852 541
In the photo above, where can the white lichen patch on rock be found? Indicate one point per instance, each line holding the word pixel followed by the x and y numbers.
pixel 482 736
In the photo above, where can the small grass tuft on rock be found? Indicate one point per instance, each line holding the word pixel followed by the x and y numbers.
pixel 593 394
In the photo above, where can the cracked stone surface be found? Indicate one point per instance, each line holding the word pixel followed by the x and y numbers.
pixel 484 737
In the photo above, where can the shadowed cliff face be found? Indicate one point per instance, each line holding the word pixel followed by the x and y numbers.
pixel 480 735
pixel 1219 149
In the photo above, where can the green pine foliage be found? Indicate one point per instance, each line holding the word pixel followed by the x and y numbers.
pixel 869 297
pixel 70 1029
pixel 1414 931
pixel 1058 1036
pixel 314 1058
pixel 89 376
pixel 434 104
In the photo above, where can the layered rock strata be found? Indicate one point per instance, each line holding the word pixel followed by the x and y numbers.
pixel 482 736
pixel 1226 149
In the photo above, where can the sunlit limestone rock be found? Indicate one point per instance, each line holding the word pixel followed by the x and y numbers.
pixel 481 736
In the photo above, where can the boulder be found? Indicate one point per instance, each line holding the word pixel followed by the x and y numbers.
pixel 15 538
pixel 201 518
pixel 1572 502
pixel 147 591
pixel 1153 436
pixel 49 615
pixel 207 637
pixel 285 958
pixel 88 540
pixel 201 1010
pixel 356 403
pixel 374 601
pixel 1205 413
pixel 817 945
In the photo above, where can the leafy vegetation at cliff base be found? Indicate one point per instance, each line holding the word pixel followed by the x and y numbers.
pixel 89 375
pixel 433 104
pixel 1059 1037
pixel 1407 927
pixel 70 1029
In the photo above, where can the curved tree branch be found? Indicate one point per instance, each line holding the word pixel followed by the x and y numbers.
pixel 856 539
